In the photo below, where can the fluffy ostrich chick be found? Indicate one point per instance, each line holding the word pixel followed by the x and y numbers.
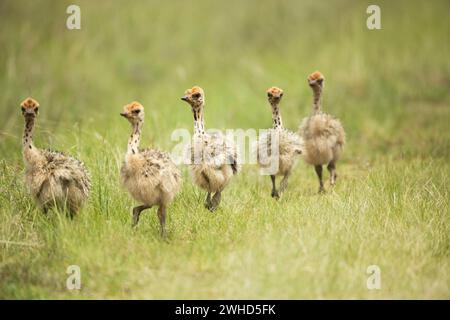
pixel 323 135
pixel 281 158
pixel 54 178
pixel 149 175
pixel 213 157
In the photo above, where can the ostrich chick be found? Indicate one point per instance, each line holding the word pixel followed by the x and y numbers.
pixel 282 159
pixel 149 175
pixel 213 157
pixel 54 179
pixel 323 135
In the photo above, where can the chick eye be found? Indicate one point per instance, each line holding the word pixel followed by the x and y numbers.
pixel 136 111
pixel 196 95
pixel 36 109
pixel 281 94
pixel 23 109
pixel 269 94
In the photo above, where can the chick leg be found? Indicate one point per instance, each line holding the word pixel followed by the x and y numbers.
pixel 284 184
pixel 274 188
pixel 319 175
pixel 216 200
pixel 137 212
pixel 332 169
pixel 162 220
pixel 208 201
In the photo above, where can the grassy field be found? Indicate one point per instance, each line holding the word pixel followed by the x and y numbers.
pixel 391 205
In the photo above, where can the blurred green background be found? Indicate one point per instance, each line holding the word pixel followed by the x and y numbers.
pixel 389 87
pixel 152 51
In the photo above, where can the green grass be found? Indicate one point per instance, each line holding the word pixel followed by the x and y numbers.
pixel 389 87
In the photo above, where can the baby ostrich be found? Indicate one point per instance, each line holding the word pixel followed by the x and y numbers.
pixel 289 146
pixel 323 135
pixel 149 175
pixel 213 158
pixel 54 179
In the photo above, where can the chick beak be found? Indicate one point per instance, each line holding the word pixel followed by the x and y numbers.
pixel 29 113
pixel 185 98
pixel 123 114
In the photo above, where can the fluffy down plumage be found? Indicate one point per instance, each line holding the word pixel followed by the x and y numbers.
pixel 213 161
pixel 289 145
pixel 324 139
pixel 58 179
pixel 151 177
